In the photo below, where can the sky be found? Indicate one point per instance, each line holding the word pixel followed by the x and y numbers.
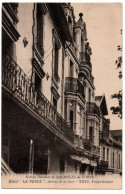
pixel 104 22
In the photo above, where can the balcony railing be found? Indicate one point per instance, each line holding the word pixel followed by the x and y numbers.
pixel 74 85
pixel 5 169
pixel 87 145
pixel 92 108
pixel 95 151
pixel 16 81
pixel 103 165
pixel 104 136
pixel 82 56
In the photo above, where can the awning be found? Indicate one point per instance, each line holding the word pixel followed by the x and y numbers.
pixel 80 159
pixel 93 163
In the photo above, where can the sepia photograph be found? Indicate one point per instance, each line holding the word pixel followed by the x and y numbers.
pixel 61 95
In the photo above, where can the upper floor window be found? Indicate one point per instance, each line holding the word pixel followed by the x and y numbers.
pixel 71 119
pixel 91 137
pixel 37 82
pixel 80 120
pixel 103 153
pixel 56 61
pixel 55 103
pixel 39 29
pixel 57 46
pixel 107 154
pixel 70 25
pixel 71 68
pixel 89 95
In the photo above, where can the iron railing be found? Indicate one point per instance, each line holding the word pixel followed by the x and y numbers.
pixel 102 165
pixel 92 108
pixel 82 56
pixel 103 135
pixel 16 81
pixel 5 169
pixel 74 85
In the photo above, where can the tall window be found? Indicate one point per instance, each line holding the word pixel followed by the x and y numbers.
pixel 56 59
pixel 113 159
pixel 39 28
pixel 71 119
pixel 55 103
pixel 71 68
pixel 37 82
pixel 89 95
pixel 70 25
pixel 107 154
pixel 80 120
pixel 103 153
pixel 91 134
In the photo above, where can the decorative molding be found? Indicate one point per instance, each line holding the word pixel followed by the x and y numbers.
pixel 38 68
pixel 55 35
pixel 9 28
pixel 55 83
pixel 25 41
pixel 39 54
pixel 55 93
pixel 11 9
pixel 43 8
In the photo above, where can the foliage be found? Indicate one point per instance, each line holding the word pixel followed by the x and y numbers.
pixel 117 110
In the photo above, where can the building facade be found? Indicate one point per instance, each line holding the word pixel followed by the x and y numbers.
pixel 52 122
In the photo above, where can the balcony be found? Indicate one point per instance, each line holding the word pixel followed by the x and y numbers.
pixel 95 151
pixel 103 165
pixel 104 136
pixel 82 56
pixel 74 85
pixel 92 108
pixel 85 58
pixel 22 88
pixel 9 21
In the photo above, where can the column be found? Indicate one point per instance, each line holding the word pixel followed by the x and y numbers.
pixel 78 169
pixel 94 133
pixel 77 40
pixel 87 129
pixel 31 157
pixel 49 161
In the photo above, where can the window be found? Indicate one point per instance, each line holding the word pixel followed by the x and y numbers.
pixel 55 103
pixel 103 153
pixel 71 119
pixel 91 134
pixel 89 95
pixel 56 53
pixel 107 154
pixel 39 29
pixel 113 159
pixel 37 82
pixel 70 25
pixel 62 166
pixel 80 120
pixel 71 68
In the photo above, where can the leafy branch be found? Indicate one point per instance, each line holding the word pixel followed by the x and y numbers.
pixel 117 110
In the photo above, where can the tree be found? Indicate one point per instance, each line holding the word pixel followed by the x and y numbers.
pixel 117 110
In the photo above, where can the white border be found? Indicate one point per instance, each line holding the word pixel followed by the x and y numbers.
pixel 53 191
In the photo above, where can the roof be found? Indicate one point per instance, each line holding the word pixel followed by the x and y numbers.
pixel 59 19
pixel 101 102
pixel 116 132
